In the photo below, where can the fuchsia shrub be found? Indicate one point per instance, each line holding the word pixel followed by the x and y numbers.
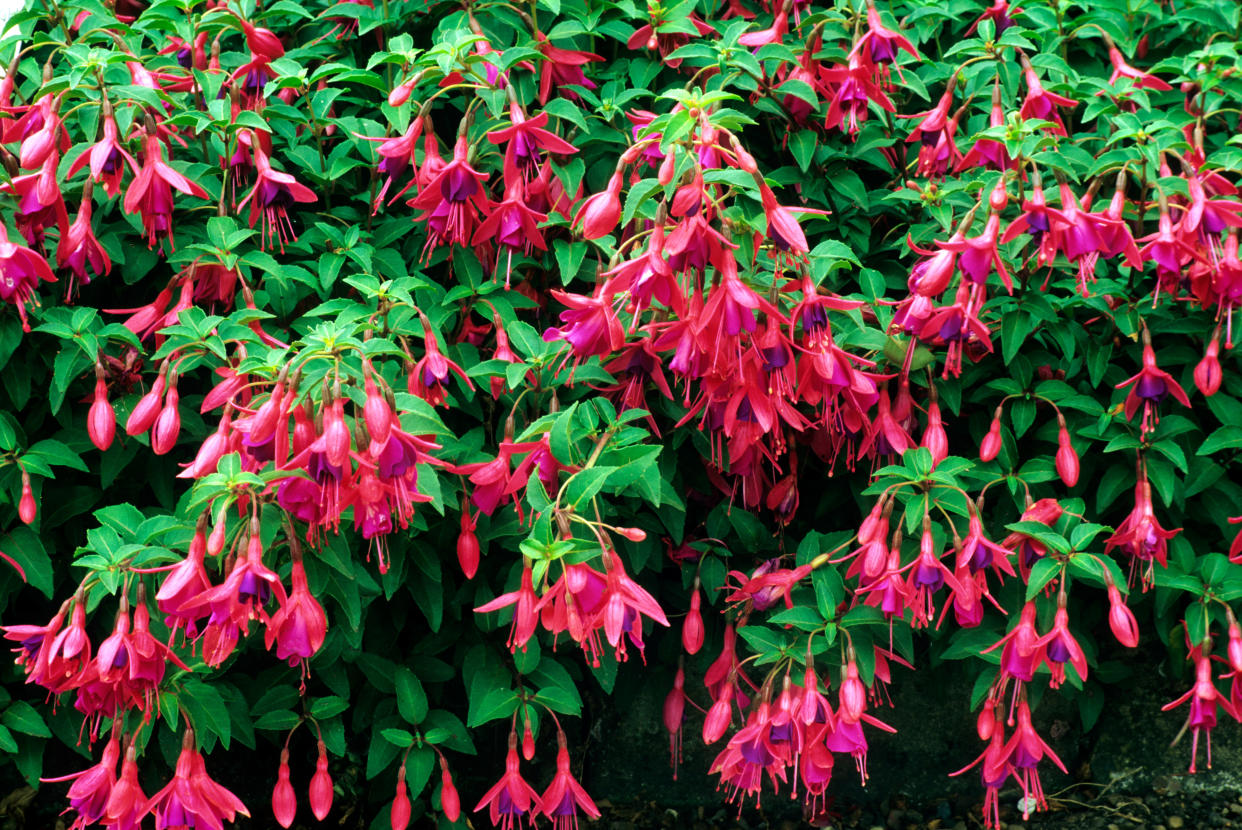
pixel 776 342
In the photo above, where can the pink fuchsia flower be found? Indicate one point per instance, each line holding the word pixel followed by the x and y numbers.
pixel 452 199
pixel 107 157
pixel 1204 698
pixel 879 44
pixel 79 248
pixel 591 326
pixel 525 613
pixel 21 270
pixel 127 804
pixel 150 193
pixel 524 139
pixel 1149 388
pixel 192 798
pixel 561 68
pixel 429 377
pixel 855 89
pixel 999 13
pixel 299 628
pixel 91 788
pixel 988 152
pixel 565 797
pixel 509 802
pixel 270 199
pixel 1141 535
pixel 1023 751
pixel 1040 103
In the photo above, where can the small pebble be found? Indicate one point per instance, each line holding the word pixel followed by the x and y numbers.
pixel 1176 822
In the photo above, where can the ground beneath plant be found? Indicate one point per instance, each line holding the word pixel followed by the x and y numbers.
pixel 1168 806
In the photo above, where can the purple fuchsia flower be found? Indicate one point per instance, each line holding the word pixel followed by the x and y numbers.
pixel 451 200
pixel 192 799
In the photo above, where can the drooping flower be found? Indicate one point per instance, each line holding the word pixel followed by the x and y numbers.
pixel 299 628
pixel 21 270
pixel 509 802
pixel 565 797
pixel 150 193
pixel 192 799
pixel 270 199
pixel 1149 388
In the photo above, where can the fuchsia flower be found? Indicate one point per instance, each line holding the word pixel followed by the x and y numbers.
pixel 591 326
pixel 999 13
pixel 21 270
pixel 1150 387
pixel 880 44
pixel 299 628
pixel 509 802
pixel 150 193
pixel 1204 698
pixel 988 152
pixel 561 68
pixel 525 614
pixel 429 377
pixel 1121 69
pixel 523 140
pixel 1040 103
pixel 270 199
pixel 452 200
pixel 1023 752
pixel 854 90
pixel 107 157
pixel 565 796
pixel 1141 535
pixel 192 799
pixel 91 788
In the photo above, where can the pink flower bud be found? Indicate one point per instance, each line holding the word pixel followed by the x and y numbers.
pixel 934 438
pixel 377 413
pixel 468 546
pixel 27 509
pixel 167 424
pixel 601 212
pixel 990 447
pixel 1207 372
pixel 399 814
pixel 985 724
pixel 336 434
pixel 528 742
pixel 401 92
pixel 853 695
pixel 147 409
pixel 321 786
pixel 718 716
pixel 1067 458
pixel 450 803
pixel 1121 619
pixel 215 541
pixel 692 627
pixel 284 801
pixel 634 534
pixel 101 420
pixel 263 424
pixel 1235 646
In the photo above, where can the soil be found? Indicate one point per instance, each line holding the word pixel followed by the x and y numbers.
pixel 1081 807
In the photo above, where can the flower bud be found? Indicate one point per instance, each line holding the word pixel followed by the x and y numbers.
pixel 718 716
pixel 27 509
pixel 399 813
pixel 284 801
pixel 852 695
pixel 263 424
pixel 990 447
pixel 667 168
pixel 985 724
pixel 1121 619
pixel 1067 458
pixel 692 627
pixel 528 742
pixel 601 212
pixel 934 438
pixel 468 546
pixel 1234 649
pixel 321 786
pixel 1207 372
pixel 634 534
pixel 101 420
pixel 215 541
pixel 376 413
pixel 167 424
pixel 450 802
pixel 147 409
pixel 336 434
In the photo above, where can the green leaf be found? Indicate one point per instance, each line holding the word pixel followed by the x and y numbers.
pixel 24 718
pixel 1042 572
pixel 411 699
